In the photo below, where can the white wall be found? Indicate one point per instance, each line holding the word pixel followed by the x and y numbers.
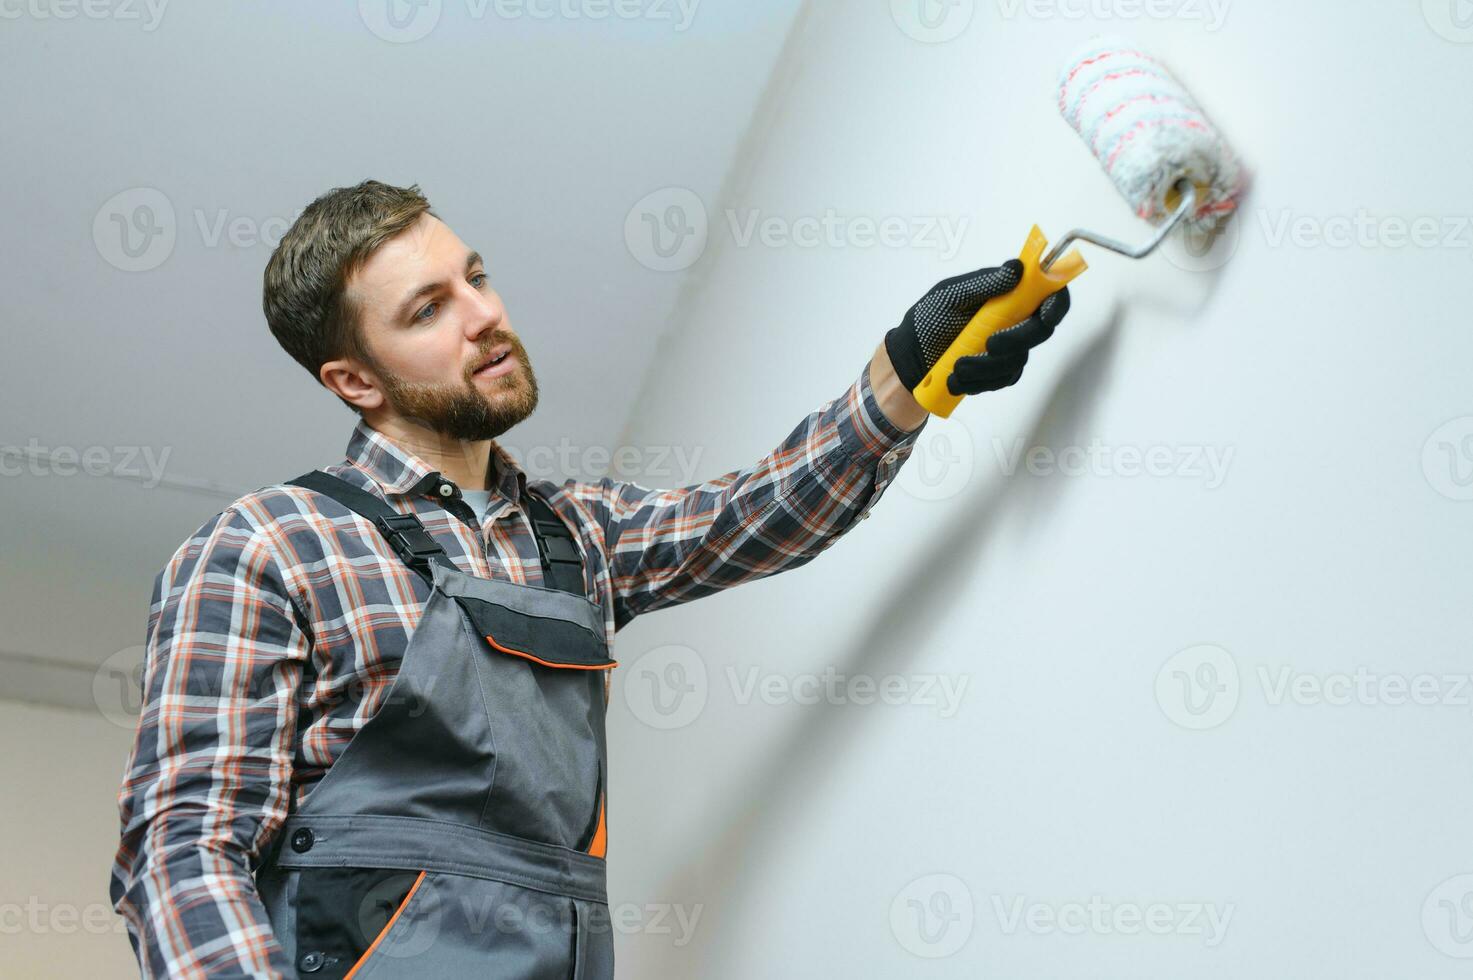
pixel 61 770
pixel 1336 542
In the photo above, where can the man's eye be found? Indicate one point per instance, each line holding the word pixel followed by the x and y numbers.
pixel 420 316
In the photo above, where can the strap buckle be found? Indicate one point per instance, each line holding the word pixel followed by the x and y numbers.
pixel 556 544
pixel 410 541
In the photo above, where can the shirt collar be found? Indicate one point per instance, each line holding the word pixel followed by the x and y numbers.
pixel 398 471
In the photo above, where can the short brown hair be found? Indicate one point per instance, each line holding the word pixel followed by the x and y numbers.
pixel 305 291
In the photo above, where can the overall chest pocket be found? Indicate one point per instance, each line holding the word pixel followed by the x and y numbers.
pixel 541 669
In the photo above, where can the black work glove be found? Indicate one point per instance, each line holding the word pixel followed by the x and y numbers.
pixel 938 317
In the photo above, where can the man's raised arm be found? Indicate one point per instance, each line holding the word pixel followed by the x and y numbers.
pixel 665 547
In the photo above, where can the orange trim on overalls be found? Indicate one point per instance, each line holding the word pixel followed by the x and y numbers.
pixel 598 847
pixel 548 663
pixel 601 835
pixel 385 930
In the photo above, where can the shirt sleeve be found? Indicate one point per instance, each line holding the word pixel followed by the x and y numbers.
pixel 665 547
pixel 207 781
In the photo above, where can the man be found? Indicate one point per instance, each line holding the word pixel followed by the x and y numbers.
pixel 372 739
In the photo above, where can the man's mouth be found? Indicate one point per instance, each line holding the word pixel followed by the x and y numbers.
pixel 496 362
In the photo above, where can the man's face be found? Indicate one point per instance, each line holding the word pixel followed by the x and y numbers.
pixel 430 319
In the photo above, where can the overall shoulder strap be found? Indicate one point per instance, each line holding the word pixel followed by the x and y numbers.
pixel 562 565
pixel 404 532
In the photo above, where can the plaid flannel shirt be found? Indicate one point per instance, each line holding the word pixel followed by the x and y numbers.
pixel 274 631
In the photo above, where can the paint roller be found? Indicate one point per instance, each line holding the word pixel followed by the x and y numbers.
pixel 1163 156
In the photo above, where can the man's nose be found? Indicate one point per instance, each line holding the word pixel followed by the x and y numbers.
pixel 487 313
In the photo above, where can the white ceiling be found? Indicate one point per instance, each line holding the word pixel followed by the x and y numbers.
pixel 533 137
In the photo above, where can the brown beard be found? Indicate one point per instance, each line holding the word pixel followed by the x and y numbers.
pixel 465 411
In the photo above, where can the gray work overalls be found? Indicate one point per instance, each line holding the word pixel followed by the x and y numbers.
pixel 461 833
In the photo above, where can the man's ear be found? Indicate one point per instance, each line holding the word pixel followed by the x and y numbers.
pixel 353 382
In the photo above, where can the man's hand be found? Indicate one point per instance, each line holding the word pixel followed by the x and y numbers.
pixel 938 318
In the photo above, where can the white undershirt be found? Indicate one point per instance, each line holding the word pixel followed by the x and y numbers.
pixel 480 501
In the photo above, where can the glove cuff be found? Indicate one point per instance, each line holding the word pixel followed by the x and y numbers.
pixel 905 356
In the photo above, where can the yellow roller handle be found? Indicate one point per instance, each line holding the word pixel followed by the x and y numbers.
pixel 996 314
